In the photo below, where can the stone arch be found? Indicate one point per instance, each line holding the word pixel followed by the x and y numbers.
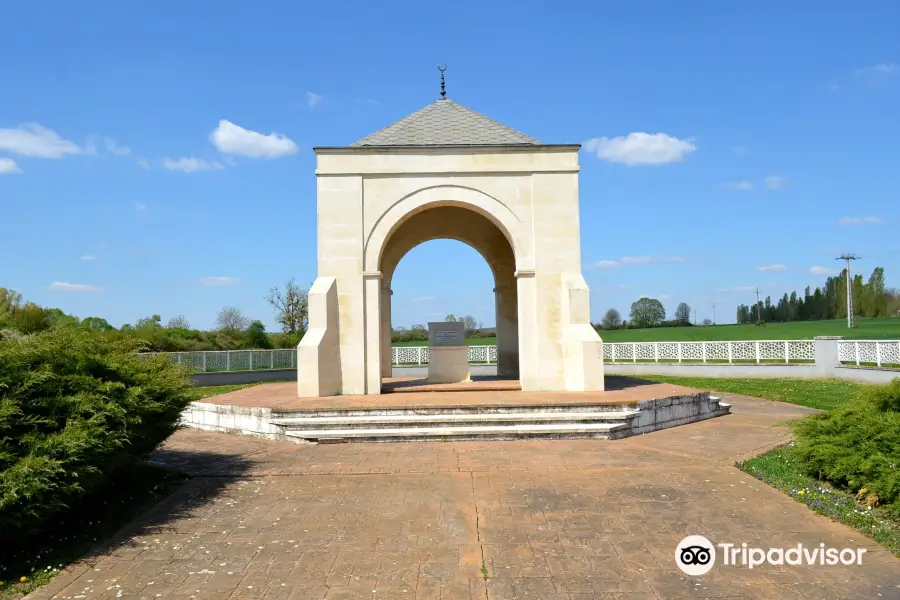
pixel 472 199
pixel 443 221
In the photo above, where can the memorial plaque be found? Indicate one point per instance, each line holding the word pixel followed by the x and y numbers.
pixel 444 337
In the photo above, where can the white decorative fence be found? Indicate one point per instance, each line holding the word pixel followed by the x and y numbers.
pixel 233 360
pixel 418 355
pixel 877 353
pixel 869 352
pixel 763 351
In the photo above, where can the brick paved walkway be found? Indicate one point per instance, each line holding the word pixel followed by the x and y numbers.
pixel 283 396
pixel 572 520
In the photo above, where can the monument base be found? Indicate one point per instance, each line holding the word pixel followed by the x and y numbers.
pixel 448 364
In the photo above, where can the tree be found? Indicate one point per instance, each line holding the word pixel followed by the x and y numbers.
pixel 153 322
pixel 97 324
pixel 647 312
pixel 469 323
pixel 611 320
pixel 256 335
pixel 707 322
pixel 291 307
pixel 178 322
pixel 683 313
pixel 418 327
pixel 450 318
pixel 231 320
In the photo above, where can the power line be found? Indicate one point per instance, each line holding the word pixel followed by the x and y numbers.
pixel 849 257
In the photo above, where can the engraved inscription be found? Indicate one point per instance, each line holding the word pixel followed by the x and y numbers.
pixel 442 337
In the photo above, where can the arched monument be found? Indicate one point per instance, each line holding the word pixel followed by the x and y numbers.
pixel 446 171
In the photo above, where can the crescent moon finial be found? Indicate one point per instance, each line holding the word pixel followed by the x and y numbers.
pixel 443 89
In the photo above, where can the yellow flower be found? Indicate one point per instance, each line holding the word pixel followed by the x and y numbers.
pixel 802 491
pixel 23 579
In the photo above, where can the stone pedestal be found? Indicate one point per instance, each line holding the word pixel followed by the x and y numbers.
pixel 448 360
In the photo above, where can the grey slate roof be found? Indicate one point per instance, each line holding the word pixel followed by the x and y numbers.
pixel 446 123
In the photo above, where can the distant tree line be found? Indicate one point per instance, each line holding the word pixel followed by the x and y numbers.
pixel 648 312
pixel 233 330
pixel 870 299
pixel 419 332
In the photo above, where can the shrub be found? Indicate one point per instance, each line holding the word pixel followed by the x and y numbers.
pixel 74 408
pixel 857 446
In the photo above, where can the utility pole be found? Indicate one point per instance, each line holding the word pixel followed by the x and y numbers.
pixel 714 313
pixel 758 311
pixel 849 257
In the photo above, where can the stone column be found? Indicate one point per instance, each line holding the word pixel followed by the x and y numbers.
pixel 507 330
pixel 529 367
pixel 372 296
pixel 386 368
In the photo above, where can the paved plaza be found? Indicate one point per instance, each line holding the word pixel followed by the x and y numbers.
pixel 543 520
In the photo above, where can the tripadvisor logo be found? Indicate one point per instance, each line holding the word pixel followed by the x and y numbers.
pixel 695 555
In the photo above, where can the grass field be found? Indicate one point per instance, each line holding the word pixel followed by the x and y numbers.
pixel 489 341
pixel 866 329
pixel 824 394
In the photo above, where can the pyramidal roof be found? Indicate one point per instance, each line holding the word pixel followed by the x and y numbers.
pixel 446 123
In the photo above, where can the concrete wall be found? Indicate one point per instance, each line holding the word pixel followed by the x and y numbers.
pixel 242 377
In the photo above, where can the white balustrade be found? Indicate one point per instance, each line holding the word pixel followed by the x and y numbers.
pixel 787 351
pixel 857 352
pixel 869 352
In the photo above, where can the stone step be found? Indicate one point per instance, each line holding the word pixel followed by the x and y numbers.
pixel 470 409
pixel 471 432
pixel 453 420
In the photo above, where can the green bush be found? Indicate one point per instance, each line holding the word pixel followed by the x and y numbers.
pixel 857 445
pixel 74 408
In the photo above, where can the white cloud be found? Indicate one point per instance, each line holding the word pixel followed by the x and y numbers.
pixel 112 148
pixel 772 268
pixel 8 166
pixel 741 150
pixel 36 141
pixel 640 149
pixel 423 299
pixel 634 260
pixel 604 264
pixel 879 70
pixel 740 288
pixel 775 182
pixel 234 139
pixel 739 185
pixel 823 271
pixel 313 99
pixel 191 165
pixel 141 208
pixel 88 257
pixel 860 221
pixel 217 281
pixel 144 164
pixel 62 286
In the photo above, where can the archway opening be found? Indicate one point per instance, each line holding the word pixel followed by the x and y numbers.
pixel 447 247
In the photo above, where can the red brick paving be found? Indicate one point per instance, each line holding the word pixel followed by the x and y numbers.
pixel 574 520
pixel 283 396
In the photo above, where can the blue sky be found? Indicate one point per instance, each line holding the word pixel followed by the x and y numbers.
pixel 721 138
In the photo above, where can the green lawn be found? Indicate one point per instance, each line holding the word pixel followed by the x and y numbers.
pixel 866 329
pixel 488 341
pixel 781 470
pixel 199 393
pixel 824 394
